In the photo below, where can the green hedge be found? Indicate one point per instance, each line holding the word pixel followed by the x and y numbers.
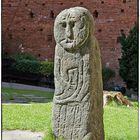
pixel 36 67
pixel 29 66
pixel 107 74
pixel 23 56
pixel 130 58
pixel 46 68
pixel 28 63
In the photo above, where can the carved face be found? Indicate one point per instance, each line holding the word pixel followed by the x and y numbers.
pixel 71 29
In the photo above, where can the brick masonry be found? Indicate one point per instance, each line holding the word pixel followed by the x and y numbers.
pixel 27 26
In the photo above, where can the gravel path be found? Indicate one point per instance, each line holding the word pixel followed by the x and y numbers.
pixel 28 87
pixel 21 135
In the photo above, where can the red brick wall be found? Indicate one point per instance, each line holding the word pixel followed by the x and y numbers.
pixel 27 25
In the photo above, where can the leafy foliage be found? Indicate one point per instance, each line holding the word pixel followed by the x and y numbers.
pixel 46 68
pixel 129 61
pixel 21 56
pixel 107 75
pixel 28 66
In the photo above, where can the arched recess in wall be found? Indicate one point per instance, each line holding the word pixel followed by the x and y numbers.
pixel 95 14
pixel 52 14
pixel 122 10
pixel 9 5
pixel 122 31
pixel 32 15
pixel 124 1
pixel 41 29
pixel 100 30
pixel 102 2
pixel 43 4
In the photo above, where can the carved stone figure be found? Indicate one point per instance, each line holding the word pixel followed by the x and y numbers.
pixel 78 98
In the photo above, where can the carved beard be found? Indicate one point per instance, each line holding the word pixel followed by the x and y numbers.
pixel 71 31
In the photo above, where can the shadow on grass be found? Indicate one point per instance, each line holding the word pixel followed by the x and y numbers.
pixel 25 99
pixel 25 96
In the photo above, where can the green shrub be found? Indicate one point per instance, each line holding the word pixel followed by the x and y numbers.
pixel 27 66
pixel 107 75
pixel 46 68
pixel 22 56
pixel 32 66
pixel 129 60
pixel 25 62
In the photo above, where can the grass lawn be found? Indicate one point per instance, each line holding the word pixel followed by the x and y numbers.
pixel 120 122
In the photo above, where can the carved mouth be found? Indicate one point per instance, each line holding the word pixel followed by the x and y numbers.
pixel 66 41
pixel 69 41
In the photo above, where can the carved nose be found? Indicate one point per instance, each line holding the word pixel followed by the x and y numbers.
pixel 69 32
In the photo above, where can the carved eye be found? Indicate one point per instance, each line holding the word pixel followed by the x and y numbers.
pixel 81 25
pixel 64 25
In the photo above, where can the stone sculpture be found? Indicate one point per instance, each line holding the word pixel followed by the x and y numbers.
pixel 78 98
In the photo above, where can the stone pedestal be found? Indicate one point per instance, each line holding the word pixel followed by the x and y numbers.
pixel 78 98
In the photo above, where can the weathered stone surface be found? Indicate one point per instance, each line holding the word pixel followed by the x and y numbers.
pixel 78 99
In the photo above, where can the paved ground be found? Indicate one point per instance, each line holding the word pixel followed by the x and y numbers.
pixel 18 134
pixel 21 135
pixel 22 86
